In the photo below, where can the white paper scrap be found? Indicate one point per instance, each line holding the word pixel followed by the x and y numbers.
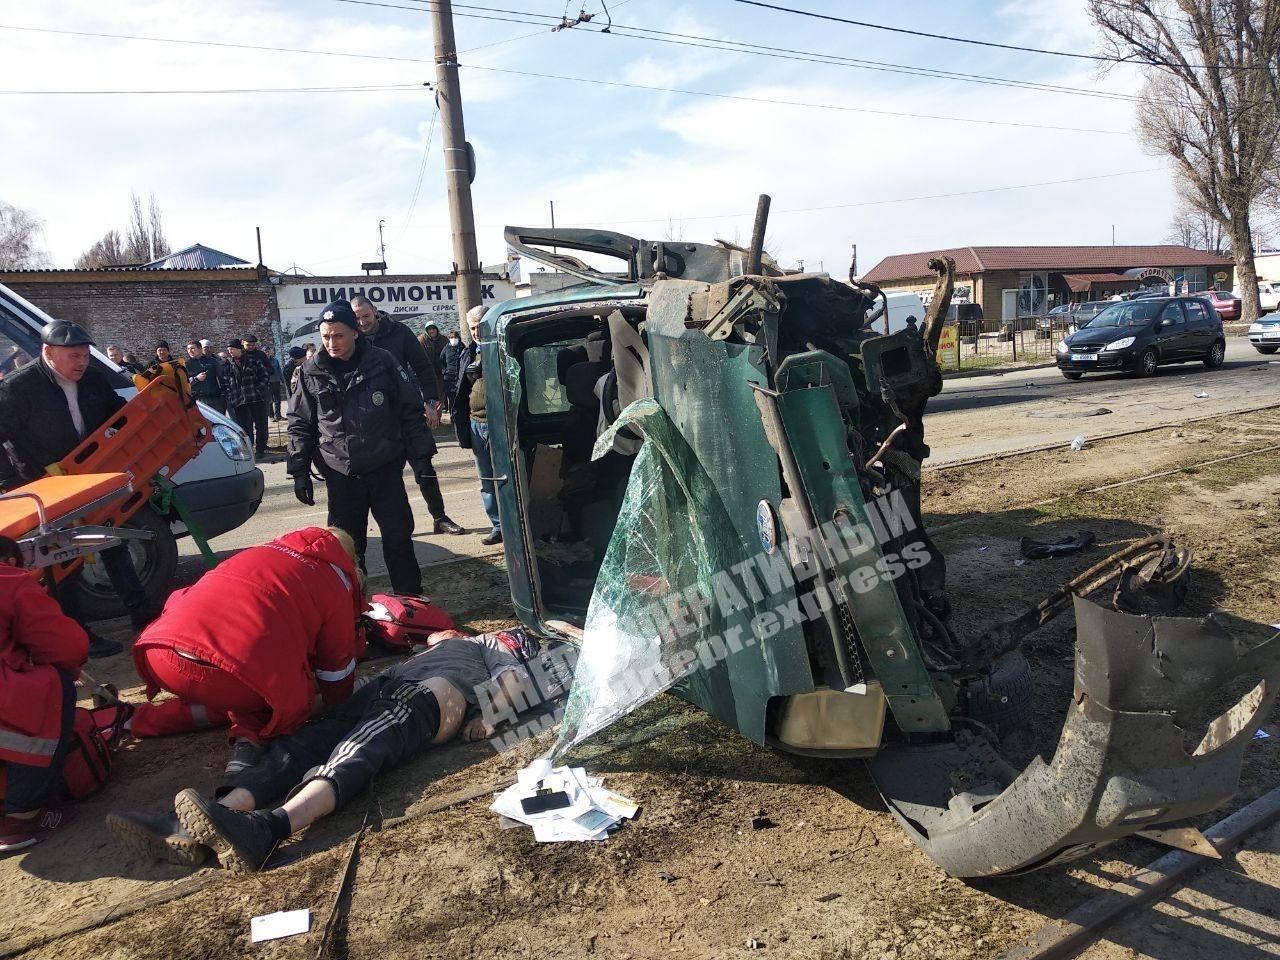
pixel 591 813
pixel 273 926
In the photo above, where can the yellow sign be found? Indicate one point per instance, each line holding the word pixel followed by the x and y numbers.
pixel 947 342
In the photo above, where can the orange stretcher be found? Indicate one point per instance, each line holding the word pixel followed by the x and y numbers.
pixel 46 517
pixel 81 507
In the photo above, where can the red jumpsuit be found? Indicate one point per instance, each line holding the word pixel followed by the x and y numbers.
pixel 253 641
pixel 36 639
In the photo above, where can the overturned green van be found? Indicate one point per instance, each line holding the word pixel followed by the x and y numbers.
pixel 710 475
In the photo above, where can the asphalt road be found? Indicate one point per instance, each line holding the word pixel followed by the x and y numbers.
pixel 974 417
pixel 1020 410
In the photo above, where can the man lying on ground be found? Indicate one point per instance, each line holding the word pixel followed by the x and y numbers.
pixel 253 642
pixel 418 703
pixel 42 651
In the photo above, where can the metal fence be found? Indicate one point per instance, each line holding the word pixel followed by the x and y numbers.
pixel 976 345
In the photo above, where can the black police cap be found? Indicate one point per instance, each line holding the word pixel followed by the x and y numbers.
pixel 64 333
pixel 340 312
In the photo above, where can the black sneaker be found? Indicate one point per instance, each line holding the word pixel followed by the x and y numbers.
pixel 244 754
pixel 100 646
pixel 241 841
pixel 159 836
pixel 445 525
pixel 494 536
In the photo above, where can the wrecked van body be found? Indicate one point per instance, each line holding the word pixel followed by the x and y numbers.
pixel 715 470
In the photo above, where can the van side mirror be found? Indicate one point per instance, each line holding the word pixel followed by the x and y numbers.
pixel 1158 326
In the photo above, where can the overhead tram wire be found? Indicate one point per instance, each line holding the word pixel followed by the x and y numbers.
pixel 973 41
pixel 791 103
pixel 785 53
pixel 641 33
pixel 371 88
pixel 881 203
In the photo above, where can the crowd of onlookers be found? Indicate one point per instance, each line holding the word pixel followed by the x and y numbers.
pixel 247 381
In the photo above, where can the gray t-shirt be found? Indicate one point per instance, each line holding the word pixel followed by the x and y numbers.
pixel 466 662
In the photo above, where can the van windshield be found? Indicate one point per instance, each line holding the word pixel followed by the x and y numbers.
pixel 1134 313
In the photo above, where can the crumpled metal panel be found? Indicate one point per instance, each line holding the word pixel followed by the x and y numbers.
pixel 687 519
pixel 1121 764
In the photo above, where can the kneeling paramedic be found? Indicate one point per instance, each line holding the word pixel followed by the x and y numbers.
pixel 357 409
pixel 418 703
pixel 254 641
pixel 41 653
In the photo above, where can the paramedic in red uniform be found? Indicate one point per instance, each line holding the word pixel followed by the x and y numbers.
pixel 253 641
pixel 41 653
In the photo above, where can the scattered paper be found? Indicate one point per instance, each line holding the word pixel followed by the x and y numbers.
pixel 569 805
pixel 273 926
pixel 1019 562
pixel 1261 735
pixel 1077 444
pixel 983 549
pixel 1202 395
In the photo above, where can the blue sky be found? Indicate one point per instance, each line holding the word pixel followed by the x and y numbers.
pixel 317 171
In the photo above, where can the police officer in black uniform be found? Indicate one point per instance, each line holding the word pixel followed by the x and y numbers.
pixel 46 409
pixel 356 408
pixel 399 341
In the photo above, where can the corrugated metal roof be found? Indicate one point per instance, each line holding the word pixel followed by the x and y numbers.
pixel 195 257
pixel 1077 259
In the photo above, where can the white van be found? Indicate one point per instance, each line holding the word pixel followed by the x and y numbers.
pixel 905 309
pixel 221 488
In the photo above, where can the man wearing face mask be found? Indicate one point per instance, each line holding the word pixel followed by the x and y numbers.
pixel 473 430
pixel 46 409
pixel 450 359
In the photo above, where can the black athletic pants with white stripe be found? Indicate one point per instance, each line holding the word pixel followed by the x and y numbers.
pixel 385 722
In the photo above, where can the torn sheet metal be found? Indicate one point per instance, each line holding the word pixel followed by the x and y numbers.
pixel 1122 764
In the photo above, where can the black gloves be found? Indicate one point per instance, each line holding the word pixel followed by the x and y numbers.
pixel 303 490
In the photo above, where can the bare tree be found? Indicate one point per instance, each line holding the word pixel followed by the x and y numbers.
pixel 107 252
pixel 1211 103
pixel 1194 227
pixel 19 239
pixel 144 235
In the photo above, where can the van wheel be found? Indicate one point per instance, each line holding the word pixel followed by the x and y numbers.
pixel 1148 363
pixel 1001 697
pixel 1217 353
pixel 156 561
pixel 1072 374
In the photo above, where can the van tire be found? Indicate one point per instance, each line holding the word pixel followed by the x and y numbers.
pixel 1001 697
pixel 156 561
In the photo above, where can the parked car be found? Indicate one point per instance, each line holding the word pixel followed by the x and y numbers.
pixel 1268 296
pixel 1265 334
pixel 1227 304
pixel 967 317
pixel 658 434
pixel 1070 316
pixel 1140 335
pixel 221 488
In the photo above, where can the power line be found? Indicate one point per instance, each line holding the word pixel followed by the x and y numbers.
pixel 1096 57
pixel 932 36
pixel 640 33
pixel 791 103
pixel 370 88
pixel 880 203
pixel 422 169
pixel 784 53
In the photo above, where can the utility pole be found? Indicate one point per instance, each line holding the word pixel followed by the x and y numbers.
pixel 457 164
pixel 382 245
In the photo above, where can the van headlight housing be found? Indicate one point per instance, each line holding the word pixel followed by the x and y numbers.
pixel 234 443
pixel 1119 344
pixel 1062 346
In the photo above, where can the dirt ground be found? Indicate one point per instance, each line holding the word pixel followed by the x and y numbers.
pixel 834 877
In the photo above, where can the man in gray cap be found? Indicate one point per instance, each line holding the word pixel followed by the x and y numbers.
pixel 46 409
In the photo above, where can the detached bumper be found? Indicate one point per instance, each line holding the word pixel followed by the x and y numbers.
pixel 1125 761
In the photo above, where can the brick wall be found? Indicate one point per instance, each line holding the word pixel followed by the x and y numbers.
pixel 133 310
